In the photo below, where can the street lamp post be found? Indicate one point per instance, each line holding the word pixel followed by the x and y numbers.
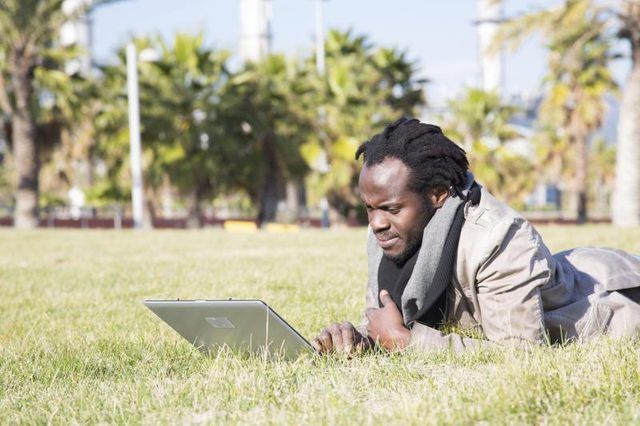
pixel 134 136
pixel 320 69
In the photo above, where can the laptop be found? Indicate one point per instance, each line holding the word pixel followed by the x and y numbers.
pixel 245 326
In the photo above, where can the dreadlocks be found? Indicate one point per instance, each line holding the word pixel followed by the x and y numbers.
pixel 433 159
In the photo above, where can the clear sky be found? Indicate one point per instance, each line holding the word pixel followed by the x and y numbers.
pixel 438 34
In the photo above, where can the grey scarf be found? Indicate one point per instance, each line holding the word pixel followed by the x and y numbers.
pixel 434 266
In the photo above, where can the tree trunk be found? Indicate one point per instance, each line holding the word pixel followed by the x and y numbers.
pixel 25 148
pixel 4 141
pixel 271 183
pixel 201 191
pixel 194 220
pixel 625 206
pixel 582 164
pixel 149 208
pixel 293 201
pixel 296 200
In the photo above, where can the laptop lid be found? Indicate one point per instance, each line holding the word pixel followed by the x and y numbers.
pixel 243 325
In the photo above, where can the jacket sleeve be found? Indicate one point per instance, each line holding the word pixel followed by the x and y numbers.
pixel 425 338
pixel 508 282
pixel 374 255
pixel 371 301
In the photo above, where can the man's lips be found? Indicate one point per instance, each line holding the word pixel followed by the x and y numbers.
pixel 386 241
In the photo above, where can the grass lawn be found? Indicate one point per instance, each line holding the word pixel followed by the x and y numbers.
pixel 78 346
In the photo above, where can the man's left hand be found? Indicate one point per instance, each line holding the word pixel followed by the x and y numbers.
pixel 386 325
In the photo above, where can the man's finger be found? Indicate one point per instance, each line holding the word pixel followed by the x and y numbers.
pixel 336 337
pixel 348 337
pixel 317 345
pixel 325 339
pixel 361 342
pixel 385 298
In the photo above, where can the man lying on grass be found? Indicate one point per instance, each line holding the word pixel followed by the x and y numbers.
pixel 444 251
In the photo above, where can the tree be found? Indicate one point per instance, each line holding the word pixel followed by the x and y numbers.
pixel 481 121
pixel 602 173
pixel 365 87
pixel 576 83
pixel 626 197
pixel 27 49
pixel 181 128
pixel 266 123
pixel 110 150
pixel 180 94
pixel 69 111
pixel 179 106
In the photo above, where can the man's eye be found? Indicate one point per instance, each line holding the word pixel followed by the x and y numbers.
pixel 393 211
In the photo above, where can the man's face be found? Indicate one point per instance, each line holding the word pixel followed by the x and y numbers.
pixel 397 215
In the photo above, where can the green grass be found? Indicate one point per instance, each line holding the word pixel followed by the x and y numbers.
pixel 78 346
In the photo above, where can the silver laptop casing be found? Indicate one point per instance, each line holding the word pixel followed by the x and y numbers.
pixel 248 326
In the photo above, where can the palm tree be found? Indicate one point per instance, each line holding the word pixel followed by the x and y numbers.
pixel 181 131
pixel 27 49
pixel 180 93
pixel 480 120
pixel 602 173
pixel 266 124
pixel 365 87
pixel 577 80
pixel 626 196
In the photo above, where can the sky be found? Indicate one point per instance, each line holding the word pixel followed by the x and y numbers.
pixel 438 34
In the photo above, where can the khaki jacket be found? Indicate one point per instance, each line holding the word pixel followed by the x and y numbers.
pixel 508 286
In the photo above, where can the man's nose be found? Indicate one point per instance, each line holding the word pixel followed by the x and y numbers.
pixel 378 221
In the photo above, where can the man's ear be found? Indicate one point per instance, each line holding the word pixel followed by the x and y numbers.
pixel 438 197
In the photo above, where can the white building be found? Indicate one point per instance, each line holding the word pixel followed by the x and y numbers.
pixel 255 32
pixel 77 31
pixel 491 63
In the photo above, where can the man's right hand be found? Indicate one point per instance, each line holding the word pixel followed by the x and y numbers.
pixel 341 338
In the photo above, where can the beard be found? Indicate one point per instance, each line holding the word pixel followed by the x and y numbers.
pixel 414 237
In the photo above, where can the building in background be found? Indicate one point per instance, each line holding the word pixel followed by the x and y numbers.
pixel 491 62
pixel 255 29
pixel 77 32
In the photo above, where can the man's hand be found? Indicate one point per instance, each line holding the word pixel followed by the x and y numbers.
pixel 386 326
pixel 342 338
